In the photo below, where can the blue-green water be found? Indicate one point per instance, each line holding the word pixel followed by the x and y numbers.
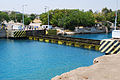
pixel 93 36
pixel 33 60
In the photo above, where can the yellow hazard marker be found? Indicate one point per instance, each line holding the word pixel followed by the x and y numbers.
pixel 41 40
pixel 60 42
pixel 46 32
pixel 46 40
pixel 68 43
pixel 53 41
pixel 76 45
pixel 30 38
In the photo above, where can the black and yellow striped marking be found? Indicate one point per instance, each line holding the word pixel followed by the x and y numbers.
pixel 19 34
pixel 110 46
pixel 67 43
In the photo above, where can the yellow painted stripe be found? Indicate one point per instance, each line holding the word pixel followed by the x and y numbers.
pixel 107 46
pixel 103 45
pixel 19 33
pixel 108 51
pixel 115 49
pixel 118 52
pixel 101 41
pixel 15 34
pixel 22 34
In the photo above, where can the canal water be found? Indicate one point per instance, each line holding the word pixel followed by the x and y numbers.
pixel 93 36
pixel 33 60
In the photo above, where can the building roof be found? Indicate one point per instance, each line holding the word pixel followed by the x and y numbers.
pixel 37 21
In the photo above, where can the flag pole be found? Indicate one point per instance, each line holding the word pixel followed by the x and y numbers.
pixel 116 15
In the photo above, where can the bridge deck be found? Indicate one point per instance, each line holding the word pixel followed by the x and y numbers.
pixel 69 41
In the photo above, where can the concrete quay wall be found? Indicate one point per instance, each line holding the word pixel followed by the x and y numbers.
pixel 3 34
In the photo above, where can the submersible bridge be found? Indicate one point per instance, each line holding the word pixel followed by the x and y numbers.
pixel 40 35
pixel 108 46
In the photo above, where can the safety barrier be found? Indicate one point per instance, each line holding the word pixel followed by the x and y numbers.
pixel 110 46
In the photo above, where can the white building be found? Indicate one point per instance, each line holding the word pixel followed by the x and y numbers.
pixel 17 26
pixel 14 26
pixel 35 25
pixel 46 26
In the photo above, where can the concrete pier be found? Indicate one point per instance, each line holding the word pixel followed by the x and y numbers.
pixel 3 34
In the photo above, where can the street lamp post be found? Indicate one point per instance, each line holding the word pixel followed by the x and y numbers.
pixel 15 14
pixel 48 15
pixel 45 9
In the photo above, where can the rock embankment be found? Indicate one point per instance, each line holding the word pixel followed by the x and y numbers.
pixel 105 68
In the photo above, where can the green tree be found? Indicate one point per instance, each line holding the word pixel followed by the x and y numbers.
pixel 27 21
pixel 110 17
pixel 68 18
pixel 19 17
pixel 99 17
pixel 3 16
pixel 105 10
pixel 12 16
pixel 32 16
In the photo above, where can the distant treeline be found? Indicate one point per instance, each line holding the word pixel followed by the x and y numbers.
pixel 71 18
pixel 16 17
pixel 65 18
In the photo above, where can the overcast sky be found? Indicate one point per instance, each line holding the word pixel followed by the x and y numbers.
pixel 37 6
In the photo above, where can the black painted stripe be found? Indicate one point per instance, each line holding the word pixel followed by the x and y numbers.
pixel 110 46
pixel 14 33
pixel 114 47
pixel 104 45
pixel 117 51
